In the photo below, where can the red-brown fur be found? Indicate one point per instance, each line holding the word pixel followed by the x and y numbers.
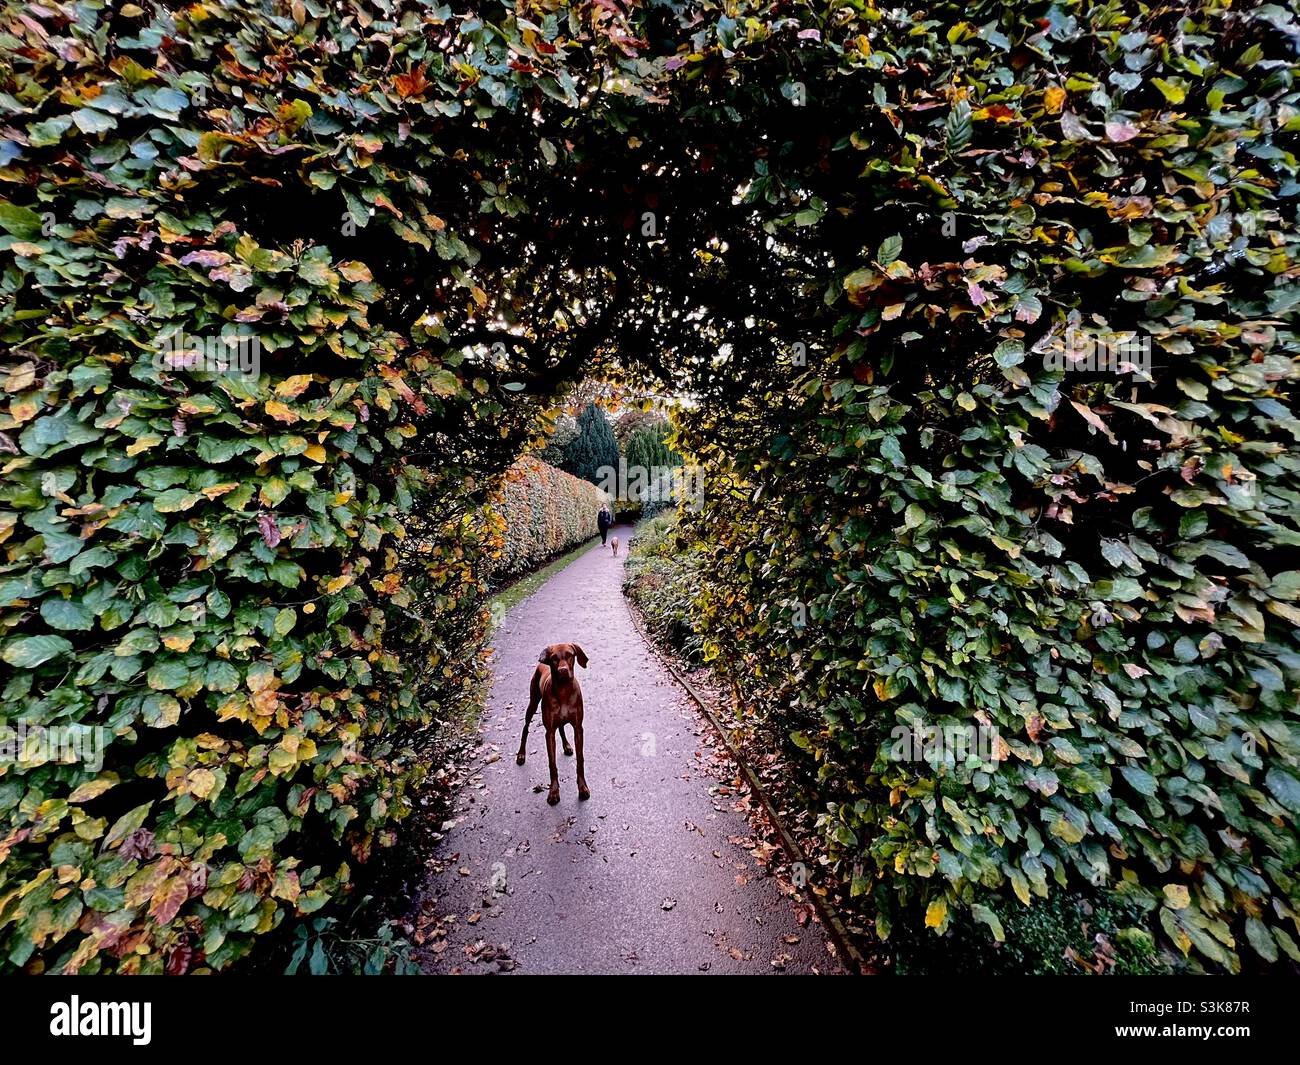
pixel 555 688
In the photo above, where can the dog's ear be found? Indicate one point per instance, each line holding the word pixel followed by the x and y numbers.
pixel 546 657
pixel 580 654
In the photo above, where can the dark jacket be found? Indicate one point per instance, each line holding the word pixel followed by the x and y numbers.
pixel 603 519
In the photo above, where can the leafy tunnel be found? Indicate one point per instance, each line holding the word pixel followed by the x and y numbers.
pixel 853 238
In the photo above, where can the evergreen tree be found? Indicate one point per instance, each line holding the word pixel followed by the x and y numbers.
pixel 594 446
pixel 645 447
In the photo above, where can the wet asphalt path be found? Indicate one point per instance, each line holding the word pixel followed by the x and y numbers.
pixel 641 878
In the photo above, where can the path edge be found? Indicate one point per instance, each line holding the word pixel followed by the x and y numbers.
pixel 827 913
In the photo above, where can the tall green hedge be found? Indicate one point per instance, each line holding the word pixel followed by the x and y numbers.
pixel 932 524
pixel 218 569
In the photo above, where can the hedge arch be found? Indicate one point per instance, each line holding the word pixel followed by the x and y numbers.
pixel 845 231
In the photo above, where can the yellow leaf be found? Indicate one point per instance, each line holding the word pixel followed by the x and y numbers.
pixel 293 386
pixel 936 913
pixel 22 410
pixel 201 782
pixel 355 271
pixel 1053 99
pixel 387 586
pixel 280 412
pixel 280 762
pixel 144 444
pixel 316 453
pixel 21 378
pixel 91 788
pixel 1177 896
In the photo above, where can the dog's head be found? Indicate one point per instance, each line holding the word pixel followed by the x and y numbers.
pixel 560 657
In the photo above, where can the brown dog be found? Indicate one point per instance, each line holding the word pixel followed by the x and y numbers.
pixel 613 542
pixel 556 688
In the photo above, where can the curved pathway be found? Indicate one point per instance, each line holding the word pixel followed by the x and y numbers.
pixel 658 872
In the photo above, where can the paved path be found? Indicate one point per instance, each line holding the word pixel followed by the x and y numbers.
pixel 642 878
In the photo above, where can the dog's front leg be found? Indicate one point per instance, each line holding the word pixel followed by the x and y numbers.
pixel 552 796
pixel 564 742
pixel 583 792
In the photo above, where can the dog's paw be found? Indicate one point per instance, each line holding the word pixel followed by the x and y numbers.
pixel 583 793
pixel 553 797
pixel 520 759
pixel 568 751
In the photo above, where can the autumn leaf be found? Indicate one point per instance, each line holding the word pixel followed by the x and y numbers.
pixel 411 84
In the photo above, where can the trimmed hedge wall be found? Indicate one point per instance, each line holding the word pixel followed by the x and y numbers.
pixel 543 511
pixel 662 578
pixel 938 522
pixel 261 590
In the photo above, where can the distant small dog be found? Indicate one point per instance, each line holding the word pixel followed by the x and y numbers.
pixel 613 542
pixel 556 690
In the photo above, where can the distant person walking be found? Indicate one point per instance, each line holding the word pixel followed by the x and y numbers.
pixel 603 521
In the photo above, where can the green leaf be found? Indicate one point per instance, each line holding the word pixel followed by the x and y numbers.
pixel 28 652
pixel 67 615
pixel 983 915
pixel 1139 780
pixel 1261 939
pixel 890 249
pixel 168 674
pixel 1284 787
pixel 175 499
pixel 959 126
pixel 125 825
pixel 1175 91
pixel 1009 353
pixel 21 222
pixel 89 120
